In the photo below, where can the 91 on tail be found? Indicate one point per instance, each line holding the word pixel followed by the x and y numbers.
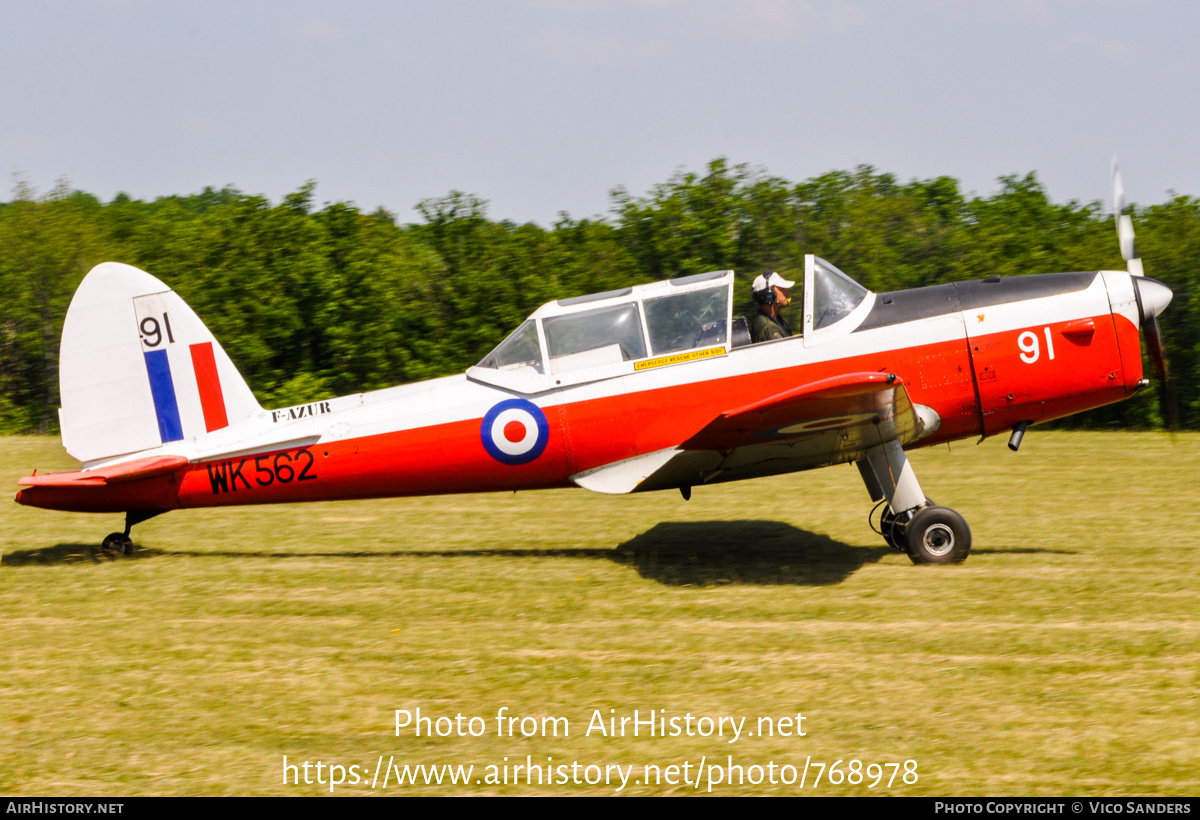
pixel 650 387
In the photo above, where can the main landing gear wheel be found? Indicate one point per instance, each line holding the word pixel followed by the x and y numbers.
pixel 938 535
pixel 117 543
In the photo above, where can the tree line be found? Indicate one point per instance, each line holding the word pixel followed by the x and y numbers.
pixel 312 302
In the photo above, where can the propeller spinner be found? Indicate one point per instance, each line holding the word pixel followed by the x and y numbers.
pixel 1152 296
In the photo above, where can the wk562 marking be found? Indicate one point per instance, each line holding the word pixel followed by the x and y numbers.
pixel 263 471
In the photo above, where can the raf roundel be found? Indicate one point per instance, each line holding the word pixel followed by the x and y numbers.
pixel 515 431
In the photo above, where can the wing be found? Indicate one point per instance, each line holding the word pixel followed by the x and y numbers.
pixel 825 422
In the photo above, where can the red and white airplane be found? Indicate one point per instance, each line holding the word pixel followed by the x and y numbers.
pixel 647 388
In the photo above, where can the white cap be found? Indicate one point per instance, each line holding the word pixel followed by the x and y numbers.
pixel 769 280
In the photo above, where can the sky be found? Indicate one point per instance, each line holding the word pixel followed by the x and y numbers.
pixel 545 106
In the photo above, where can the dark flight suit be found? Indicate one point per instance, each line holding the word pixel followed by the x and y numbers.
pixel 767 328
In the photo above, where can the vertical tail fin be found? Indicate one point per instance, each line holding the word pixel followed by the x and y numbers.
pixel 138 369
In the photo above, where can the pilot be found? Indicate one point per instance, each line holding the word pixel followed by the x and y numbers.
pixel 771 293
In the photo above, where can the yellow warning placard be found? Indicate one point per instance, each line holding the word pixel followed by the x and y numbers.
pixel 676 358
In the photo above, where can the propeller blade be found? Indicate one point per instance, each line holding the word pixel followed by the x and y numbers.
pixel 1158 355
pixel 1118 189
pixel 1125 235
pixel 1129 250
pixel 1154 345
pixel 1153 297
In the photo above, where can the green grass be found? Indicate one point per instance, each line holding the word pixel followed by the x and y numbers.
pixel 1062 658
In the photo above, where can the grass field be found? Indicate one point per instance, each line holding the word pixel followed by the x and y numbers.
pixel 1062 658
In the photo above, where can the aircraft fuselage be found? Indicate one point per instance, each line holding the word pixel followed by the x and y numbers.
pixel 982 355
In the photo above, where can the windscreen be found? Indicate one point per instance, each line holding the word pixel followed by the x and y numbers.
pixel 519 351
pixel 834 295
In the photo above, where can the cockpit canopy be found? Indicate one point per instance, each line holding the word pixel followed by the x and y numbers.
pixel 587 338
pixel 606 334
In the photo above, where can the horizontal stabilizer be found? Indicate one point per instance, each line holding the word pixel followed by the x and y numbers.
pixel 112 474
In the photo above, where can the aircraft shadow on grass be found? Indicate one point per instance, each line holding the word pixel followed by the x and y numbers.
pixel 700 553
pixel 708 553
pixel 705 553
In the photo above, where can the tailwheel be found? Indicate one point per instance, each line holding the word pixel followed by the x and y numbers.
pixel 117 543
pixel 937 535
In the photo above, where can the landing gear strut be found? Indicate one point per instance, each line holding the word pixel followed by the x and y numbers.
pixel 891 527
pixel 119 543
pixel 911 523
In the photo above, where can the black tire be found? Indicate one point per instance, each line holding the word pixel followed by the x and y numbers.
pixel 938 535
pixel 117 543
